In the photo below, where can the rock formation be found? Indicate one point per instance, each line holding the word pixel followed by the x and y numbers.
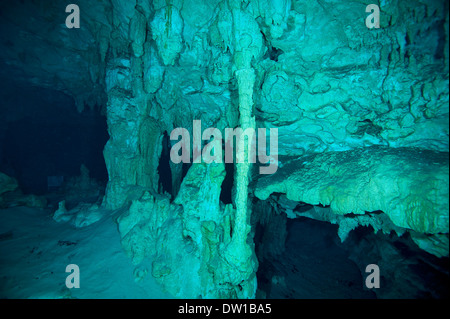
pixel 362 119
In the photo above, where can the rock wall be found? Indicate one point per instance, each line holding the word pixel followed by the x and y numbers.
pixel 363 112
pixel 368 109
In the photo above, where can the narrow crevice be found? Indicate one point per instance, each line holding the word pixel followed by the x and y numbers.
pixel 164 171
pixel 227 184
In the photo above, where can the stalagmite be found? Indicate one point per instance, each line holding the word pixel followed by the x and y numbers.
pixel 238 251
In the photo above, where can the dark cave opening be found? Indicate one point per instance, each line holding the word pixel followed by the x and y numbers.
pixel 227 184
pixel 304 258
pixel 406 270
pixel 274 53
pixel 440 48
pixel 43 138
pixel 313 263
pixel 164 171
pixel 184 170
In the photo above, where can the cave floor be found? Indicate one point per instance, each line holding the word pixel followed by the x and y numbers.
pixel 35 250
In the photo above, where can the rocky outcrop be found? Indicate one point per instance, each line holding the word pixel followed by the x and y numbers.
pixel 83 215
pixel 7 184
pixel 189 240
pixel 409 185
pixel 11 195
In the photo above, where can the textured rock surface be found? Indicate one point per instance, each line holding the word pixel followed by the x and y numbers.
pixel 189 240
pixel 358 88
pixel 368 180
pixel 366 109
pixel 83 215
pixel 35 46
pixel 344 87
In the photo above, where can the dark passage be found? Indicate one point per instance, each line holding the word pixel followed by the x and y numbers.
pixel 313 265
pixel 43 135
pixel 227 184
pixel 164 171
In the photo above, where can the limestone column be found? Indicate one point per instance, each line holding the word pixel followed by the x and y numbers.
pixel 247 45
